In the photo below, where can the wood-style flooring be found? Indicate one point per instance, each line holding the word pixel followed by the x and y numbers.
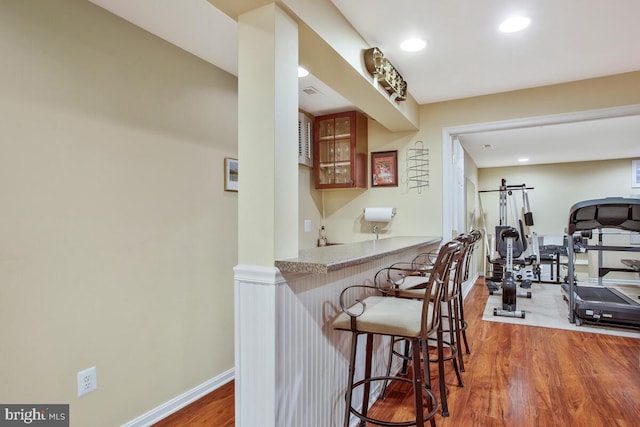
pixel 216 409
pixel 515 376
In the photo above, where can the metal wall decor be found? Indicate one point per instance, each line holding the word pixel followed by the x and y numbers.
pixel 380 68
pixel 418 166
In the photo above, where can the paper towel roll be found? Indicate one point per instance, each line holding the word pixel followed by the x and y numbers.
pixel 379 214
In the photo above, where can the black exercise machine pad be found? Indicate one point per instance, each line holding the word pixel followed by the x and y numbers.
pixel 588 293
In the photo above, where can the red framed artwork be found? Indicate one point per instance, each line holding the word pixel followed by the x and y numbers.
pixel 384 169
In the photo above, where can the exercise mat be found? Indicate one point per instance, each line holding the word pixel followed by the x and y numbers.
pixel 548 309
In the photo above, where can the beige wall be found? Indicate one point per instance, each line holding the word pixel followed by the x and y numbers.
pixel 420 214
pixel 557 188
pixel 310 208
pixel 117 239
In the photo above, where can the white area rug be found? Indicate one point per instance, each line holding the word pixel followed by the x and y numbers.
pixel 547 309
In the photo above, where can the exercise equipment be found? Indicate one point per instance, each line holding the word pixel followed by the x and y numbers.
pixel 600 304
pixel 509 247
pixel 509 285
pixel 527 266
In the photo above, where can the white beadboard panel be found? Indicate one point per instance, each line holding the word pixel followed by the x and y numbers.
pixel 312 359
pixel 255 340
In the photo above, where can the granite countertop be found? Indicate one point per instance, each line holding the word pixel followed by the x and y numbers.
pixel 336 257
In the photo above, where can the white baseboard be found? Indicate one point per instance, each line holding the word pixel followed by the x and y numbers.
pixel 469 285
pixel 179 402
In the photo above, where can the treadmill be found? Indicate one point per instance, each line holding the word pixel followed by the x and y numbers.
pixel 599 304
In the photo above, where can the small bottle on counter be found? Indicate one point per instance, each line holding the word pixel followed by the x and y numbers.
pixel 322 237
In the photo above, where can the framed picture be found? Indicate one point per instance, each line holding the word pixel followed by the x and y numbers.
pixel 230 174
pixel 635 173
pixel 384 169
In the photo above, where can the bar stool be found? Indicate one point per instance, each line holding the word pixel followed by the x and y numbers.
pixel 475 236
pixel 409 279
pixel 455 301
pixel 423 262
pixel 410 319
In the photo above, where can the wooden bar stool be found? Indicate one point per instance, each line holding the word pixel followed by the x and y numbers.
pixel 410 319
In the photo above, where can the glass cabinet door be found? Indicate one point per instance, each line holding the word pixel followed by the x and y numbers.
pixel 334 144
pixel 335 141
pixel 327 150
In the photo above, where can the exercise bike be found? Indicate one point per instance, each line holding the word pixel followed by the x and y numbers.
pixel 509 287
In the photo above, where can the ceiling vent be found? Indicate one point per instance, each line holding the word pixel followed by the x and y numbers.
pixel 310 90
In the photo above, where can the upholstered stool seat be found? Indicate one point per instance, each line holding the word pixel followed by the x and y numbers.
pixel 388 316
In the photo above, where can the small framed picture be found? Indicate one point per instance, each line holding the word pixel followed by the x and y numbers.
pixel 635 173
pixel 384 169
pixel 230 174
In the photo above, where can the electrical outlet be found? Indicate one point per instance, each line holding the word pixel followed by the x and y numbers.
pixel 87 381
pixel 307 225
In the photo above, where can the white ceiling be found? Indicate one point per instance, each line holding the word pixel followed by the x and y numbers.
pixel 602 139
pixel 466 56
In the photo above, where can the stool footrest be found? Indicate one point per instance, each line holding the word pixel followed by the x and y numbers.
pixel 430 395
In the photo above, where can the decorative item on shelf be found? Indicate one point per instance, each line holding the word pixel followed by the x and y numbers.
pixel 230 174
pixel 418 166
pixel 377 215
pixel 380 68
pixel 384 169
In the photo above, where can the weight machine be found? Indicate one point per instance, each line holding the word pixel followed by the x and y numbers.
pixel 511 243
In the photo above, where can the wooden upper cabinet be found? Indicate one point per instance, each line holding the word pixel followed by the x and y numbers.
pixel 340 150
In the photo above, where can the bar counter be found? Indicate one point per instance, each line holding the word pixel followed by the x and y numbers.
pixel 291 365
pixel 335 257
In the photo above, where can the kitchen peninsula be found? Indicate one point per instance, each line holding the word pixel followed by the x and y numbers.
pixel 291 366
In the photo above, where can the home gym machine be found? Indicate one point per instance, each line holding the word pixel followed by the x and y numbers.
pixel 602 305
pixel 511 243
pixel 509 286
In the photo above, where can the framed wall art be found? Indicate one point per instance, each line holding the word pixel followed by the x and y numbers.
pixel 230 174
pixel 384 169
pixel 635 173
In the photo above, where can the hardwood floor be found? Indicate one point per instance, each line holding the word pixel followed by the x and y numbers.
pixel 216 409
pixel 515 376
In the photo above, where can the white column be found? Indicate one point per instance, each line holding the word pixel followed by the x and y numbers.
pixel 267 201
pixel 267 136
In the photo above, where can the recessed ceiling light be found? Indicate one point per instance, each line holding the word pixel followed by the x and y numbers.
pixel 413 45
pixel 523 159
pixel 515 23
pixel 302 72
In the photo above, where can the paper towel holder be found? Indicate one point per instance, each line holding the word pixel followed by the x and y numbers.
pixel 390 213
pixel 393 213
